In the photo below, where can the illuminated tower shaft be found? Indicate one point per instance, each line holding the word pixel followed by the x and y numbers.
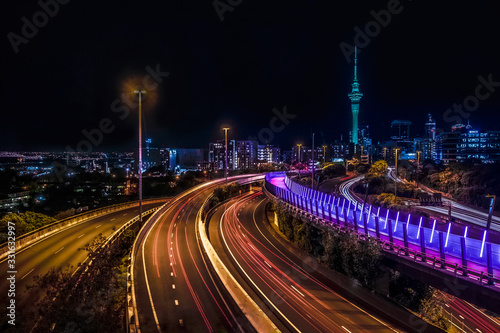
pixel 355 97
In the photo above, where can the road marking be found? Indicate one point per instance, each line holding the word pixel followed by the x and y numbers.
pixel 173 286
pixel 176 302
pixel 27 273
pixel 125 214
pixel 98 226
pixel 345 329
pixel 461 317
pixel 268 264
pixel 112 219
pixel 59 250
pixel 298 291
pixel 81 236
pixel 447 305
pixel 175 224
pixel 477 329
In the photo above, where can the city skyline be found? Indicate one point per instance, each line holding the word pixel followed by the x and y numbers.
pixel 240 81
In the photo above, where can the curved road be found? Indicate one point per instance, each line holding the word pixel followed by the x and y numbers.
pixel 293 287
pixel 57 250
pixel 176 288
pixel 462 315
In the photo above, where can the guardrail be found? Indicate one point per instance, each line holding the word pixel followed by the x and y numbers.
pixel 110 241
pixel 423 240
pixel 40 233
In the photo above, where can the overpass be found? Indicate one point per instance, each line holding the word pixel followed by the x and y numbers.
pixel 443 255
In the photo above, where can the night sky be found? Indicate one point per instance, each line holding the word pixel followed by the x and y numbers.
pixel 263 55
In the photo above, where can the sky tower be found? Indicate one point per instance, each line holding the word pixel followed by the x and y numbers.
pixel 355 97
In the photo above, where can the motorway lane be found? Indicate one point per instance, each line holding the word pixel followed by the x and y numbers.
pixel 462 311
pixel 176 288
pixel 58 250
pixel 458 211
pixel 287 284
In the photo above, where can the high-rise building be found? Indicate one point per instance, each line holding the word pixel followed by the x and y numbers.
pixel 430 128
pixel 268 154
pixel 355 97
pixel 464 143
pixel 241 154
pixel 400 130
pixel 246 155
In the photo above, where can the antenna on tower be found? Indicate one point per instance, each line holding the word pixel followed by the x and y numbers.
pixel 355 63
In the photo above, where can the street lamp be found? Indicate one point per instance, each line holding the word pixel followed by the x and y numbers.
pixel 385 153
pixel 492 208
pixel 324 153
pixel 140 92
pixel 298 159
pixel 312 157
pixel 418 162
pixel 225 129
pixel 396 179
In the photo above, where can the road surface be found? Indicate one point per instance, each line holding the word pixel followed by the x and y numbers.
pixel 57 250
pixel 294 289
pixel 176 288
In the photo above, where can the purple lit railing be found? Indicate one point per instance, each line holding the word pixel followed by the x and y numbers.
pixel 414 235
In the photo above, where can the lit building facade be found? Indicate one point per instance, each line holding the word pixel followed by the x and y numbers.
pixel 464 144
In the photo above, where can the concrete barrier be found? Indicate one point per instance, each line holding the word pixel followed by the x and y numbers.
pixel 43 232
pixel 258 318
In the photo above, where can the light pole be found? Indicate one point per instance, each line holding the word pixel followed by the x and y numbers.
pixel 418 162
pixel 225 129
pixel 312 158
pixel 492 208
pixel 298 158
pixel 140 92
pixel 324 153
pixel 385 153
pixel 396 179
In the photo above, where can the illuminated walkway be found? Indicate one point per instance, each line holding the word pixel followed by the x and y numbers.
pixel 438 243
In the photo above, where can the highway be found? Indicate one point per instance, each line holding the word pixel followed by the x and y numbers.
pixel 460 212
pixel 462 315
pixel 176 288
pixel 57 250
pixel 296 291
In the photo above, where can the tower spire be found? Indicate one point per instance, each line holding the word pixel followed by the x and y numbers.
pixel 355 97
pixel 355 64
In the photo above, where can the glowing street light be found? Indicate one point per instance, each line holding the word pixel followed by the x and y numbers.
pixel 225 129
pixel 492 208
pixel 140 92
pixel 299 145
pixel 396 180
pixel 324 153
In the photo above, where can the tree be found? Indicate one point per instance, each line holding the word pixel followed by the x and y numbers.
pixel 334 170
pixel 377 170
pixel 25 222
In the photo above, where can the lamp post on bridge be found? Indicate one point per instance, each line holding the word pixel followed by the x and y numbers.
pixel 492 208
pixel 140 92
